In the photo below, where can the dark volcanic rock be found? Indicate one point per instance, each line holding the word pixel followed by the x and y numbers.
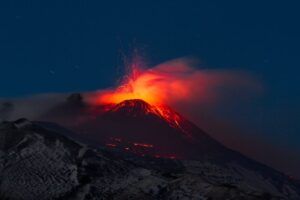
pixel 39 163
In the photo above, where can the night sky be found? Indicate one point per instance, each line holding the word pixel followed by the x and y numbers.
pixel 65 46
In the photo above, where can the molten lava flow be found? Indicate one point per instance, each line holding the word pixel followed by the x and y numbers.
pixel 138 107
pixel 143 145
pixel 111 145
pixel 172 117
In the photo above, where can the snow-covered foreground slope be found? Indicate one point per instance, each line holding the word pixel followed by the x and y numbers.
pixel 36 163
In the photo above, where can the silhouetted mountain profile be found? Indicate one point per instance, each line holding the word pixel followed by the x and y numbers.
pixel 136 126
pixel 38 162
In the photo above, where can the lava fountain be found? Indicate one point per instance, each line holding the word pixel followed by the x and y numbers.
pixel 172 83
pixel 152 86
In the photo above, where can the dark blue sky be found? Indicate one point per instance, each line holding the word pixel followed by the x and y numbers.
pixel 63 46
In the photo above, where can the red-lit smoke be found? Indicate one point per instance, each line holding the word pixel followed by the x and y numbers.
pixel 173 82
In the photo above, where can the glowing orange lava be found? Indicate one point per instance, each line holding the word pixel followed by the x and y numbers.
pixel 151 86
pixel 136 88
pixel 143 145
pixel 111 145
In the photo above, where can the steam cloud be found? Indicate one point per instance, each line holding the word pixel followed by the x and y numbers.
pixel 178 82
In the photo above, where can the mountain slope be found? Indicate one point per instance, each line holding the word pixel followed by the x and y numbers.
pixel 139 127
pixel 37 163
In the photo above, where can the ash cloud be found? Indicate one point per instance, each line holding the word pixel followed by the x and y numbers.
pixel 187 83
pixel 29 107
pixel 178 82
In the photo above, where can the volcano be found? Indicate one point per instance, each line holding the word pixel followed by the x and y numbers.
pixel 128 150
pixel 144 129
pixel 137 127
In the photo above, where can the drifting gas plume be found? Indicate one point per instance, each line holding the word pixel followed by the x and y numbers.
pixel 174 82
pixel 178 83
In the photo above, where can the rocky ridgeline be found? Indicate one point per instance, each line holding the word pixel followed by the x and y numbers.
pixel 37 163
